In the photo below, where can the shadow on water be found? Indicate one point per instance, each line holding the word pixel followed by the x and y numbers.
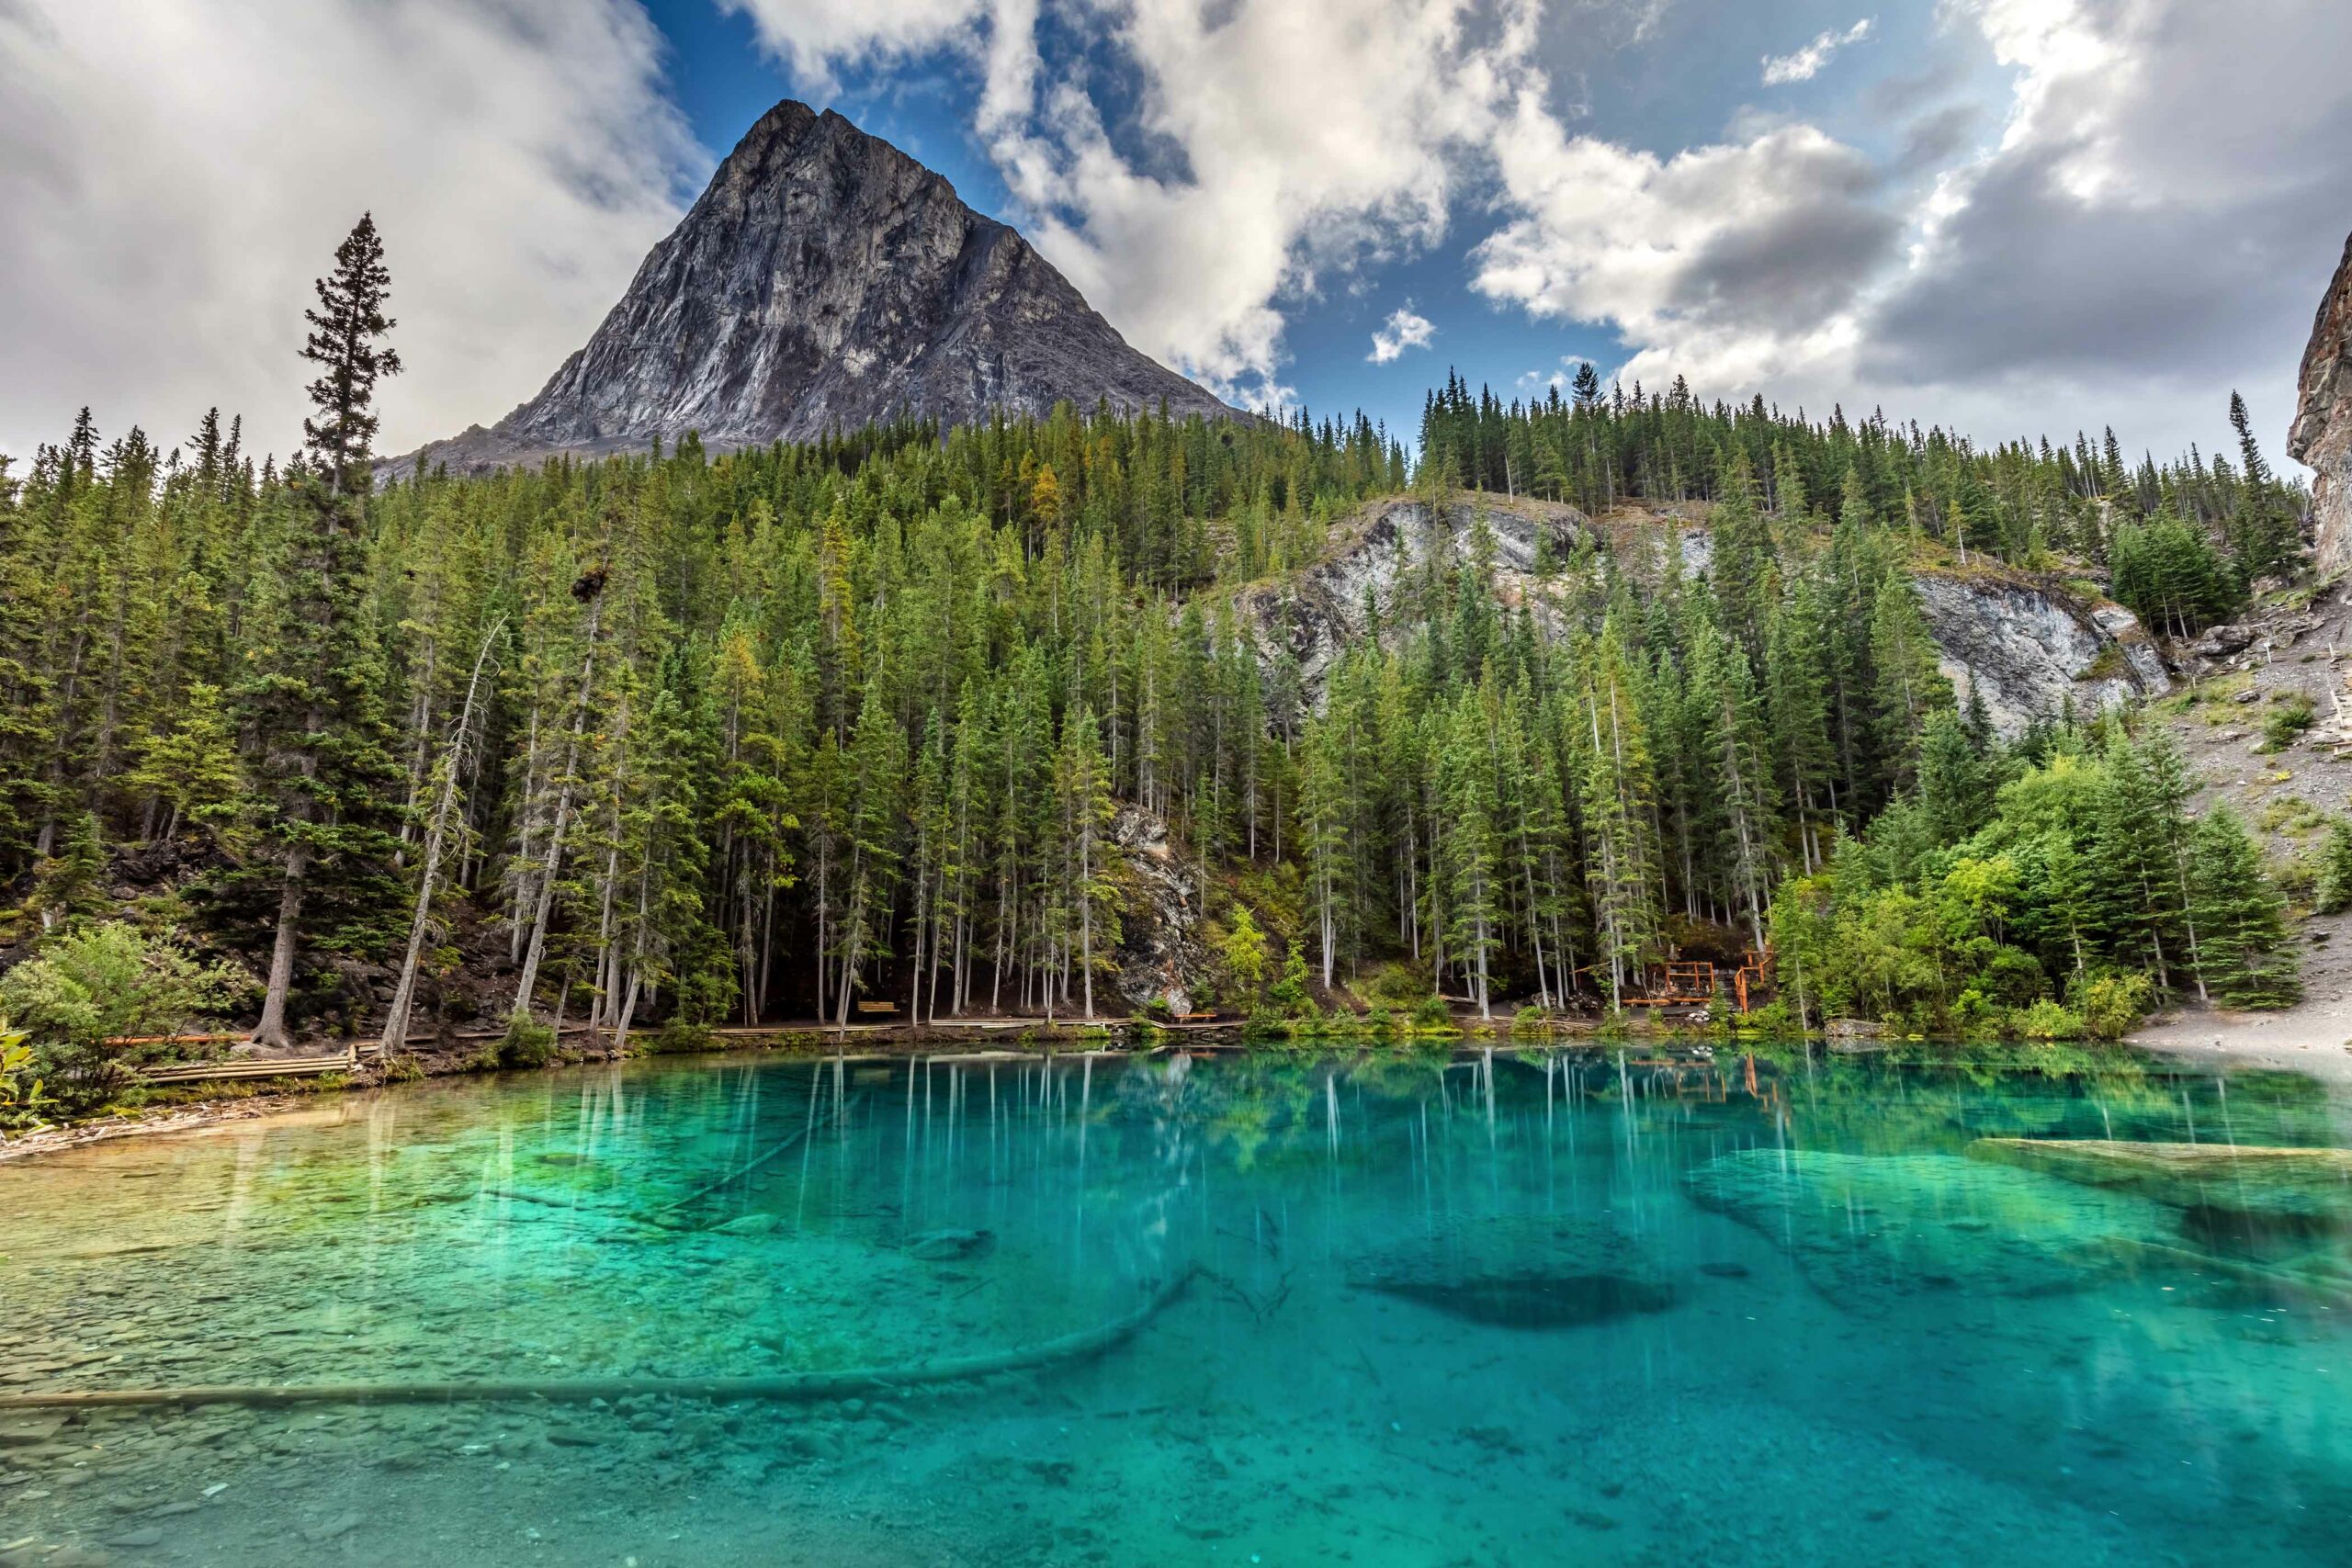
pixel 1491 1306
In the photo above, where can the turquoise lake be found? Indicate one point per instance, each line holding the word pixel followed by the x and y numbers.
pixel 1396 1308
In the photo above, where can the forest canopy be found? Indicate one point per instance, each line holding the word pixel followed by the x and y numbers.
pixel 758 734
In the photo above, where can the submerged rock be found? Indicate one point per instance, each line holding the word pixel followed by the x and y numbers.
pixel 1867 1230
pixel 754 1223
pixel 1534 1300
pixel 2259 1202
pixel 2187 1175
pixel 947 1245
pixel 1518 1272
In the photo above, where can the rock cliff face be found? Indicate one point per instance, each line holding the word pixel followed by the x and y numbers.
pixel 2033 653
pixel 2321 435
pixel 1320 612
pixel 1160 956
pixel 823 281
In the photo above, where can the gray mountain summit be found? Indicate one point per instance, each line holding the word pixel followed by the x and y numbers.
pixel 823 281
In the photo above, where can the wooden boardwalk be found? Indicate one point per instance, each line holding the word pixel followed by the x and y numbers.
pixel 259 1068
pixel 948 1033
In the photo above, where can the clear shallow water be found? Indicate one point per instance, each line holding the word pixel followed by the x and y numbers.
pixel 1447 1311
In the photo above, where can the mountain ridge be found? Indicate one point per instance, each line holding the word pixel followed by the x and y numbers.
pixel 823 281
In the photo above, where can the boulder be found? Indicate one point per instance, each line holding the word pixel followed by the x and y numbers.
pixel 1870 1231
pixel 2220 642
pixel 947 1245
pixel 1519 1271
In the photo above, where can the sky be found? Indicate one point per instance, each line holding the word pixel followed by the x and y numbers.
pixel 2010 217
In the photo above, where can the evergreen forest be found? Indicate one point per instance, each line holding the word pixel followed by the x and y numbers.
pixel 685 738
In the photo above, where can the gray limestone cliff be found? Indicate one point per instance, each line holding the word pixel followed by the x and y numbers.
pixel 824 281
pixel 2036 652
pixel 1315 614
pixel 2321 437
pixel 2034 649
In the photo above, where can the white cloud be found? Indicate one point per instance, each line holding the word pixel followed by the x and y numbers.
pixel 815 36
pixel 1288 141
pixel 1404 330
pixel 2154 227
pixel 1779 70
pixel 2158 214
pixel 173 177
pixel 1531 383
pixel 1726 263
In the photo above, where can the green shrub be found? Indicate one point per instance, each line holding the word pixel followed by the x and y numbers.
pixel 527 1043
pixel 1380 1022
pixel 2048 1020
pixel 1291 993
pixel 2109 1004
pixel 1265 1025
pixel 1531 1020
pixel 1431 1012
pixel 21 1095
pixel 2286 722
pixel 682 1037
pixel 1398 986
pixel 102 981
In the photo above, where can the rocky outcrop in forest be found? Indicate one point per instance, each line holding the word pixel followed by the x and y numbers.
pixel 2321 435
pixel 824 281
pixel 2035 652
pixel 1316 614
pixel 1162 957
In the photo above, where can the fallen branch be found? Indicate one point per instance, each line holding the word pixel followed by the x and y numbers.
pixel 786 1387
pixel 791 1142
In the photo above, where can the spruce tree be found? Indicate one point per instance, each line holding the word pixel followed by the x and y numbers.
pixel 192 769
pixel 312 699
pixel 2331 889
pixel 1955 780
pixel 2243 952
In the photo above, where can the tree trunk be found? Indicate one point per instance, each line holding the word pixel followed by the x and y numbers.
pixel 537 948
pixel 271 1031
pixel 436 840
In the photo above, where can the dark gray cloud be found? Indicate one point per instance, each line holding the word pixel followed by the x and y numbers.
pixel 1935 138
pixel 2027 277
pixel 1798 260
pixel 2160 217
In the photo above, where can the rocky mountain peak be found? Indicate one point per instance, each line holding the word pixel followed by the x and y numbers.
pixel 825 280
pixel 2321 435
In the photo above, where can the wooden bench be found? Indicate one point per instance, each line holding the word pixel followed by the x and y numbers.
pixel 869 1009
pixel 1208 1017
